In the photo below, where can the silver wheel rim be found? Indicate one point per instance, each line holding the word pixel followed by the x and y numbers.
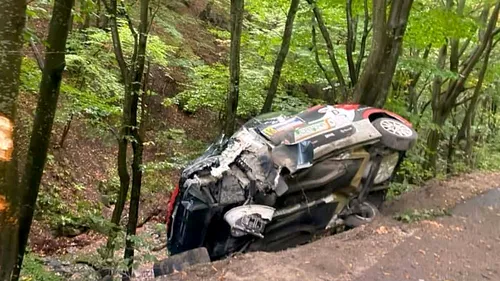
pixel 372 212
pixel 396 128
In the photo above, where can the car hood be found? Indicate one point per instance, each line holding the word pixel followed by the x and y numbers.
pixel 295 127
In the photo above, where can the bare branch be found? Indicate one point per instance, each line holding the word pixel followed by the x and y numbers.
pixel 134 34
pixel 463 48
pixel 455 89
pixel 316 55
pixel 349 46
pixel 38 56
pixel 329 45
pixel 464 100
pixel 117 44
pixel 366 31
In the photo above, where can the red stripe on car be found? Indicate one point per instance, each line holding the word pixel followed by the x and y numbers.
pixel 171 203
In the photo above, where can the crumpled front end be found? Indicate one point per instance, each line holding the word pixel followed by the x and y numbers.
pixel 213 185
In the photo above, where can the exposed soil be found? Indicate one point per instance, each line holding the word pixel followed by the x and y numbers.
pixel 464 246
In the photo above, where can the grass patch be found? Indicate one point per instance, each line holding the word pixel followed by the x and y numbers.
pixel 396 189
pixel 34 270
pixel 410 216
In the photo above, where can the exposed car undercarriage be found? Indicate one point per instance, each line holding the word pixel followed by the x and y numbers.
pixel 284 178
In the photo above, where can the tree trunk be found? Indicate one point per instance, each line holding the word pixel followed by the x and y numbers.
pixel 12 21
pixel 362 47
pixel 457 86
pixel 98 14
pixel 124 133
pixel 465 131
pixel 237 7
pixel 435 133
pixel 37 54
pixel 329 47
pixel 44 118
pixel 449 157
pixel 414 78
pixel 319 63
pixel 137 144
pixel 433 143
pixel 351 40
pixel 466 124
pixel 387 40
pixel 280 59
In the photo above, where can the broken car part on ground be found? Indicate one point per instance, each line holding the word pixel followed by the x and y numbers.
pixel 283 178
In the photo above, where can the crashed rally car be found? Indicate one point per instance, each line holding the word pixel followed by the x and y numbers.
pixel 285 177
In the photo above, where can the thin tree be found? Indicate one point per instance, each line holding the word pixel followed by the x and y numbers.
pixel 130 133
pixel 237 7
pixel 137 132
pixel 314 42
pixel 280 59
pixel 124 132
pixel 50 85
pixel 350 42
pixel 12 21
pixel 329 47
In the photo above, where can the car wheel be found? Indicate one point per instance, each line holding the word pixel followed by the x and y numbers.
pixel 395 135
pixel 367 213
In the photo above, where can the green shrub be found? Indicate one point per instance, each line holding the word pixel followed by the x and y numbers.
pixel 34 270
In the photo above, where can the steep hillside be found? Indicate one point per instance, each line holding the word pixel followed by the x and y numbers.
pixel 80 180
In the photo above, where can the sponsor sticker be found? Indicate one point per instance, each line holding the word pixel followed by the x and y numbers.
pixel 283 126
pixel 313 128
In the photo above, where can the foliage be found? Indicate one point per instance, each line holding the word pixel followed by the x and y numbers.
pixel 64 217
pixel 144 254
pixel 94 87
pixel 396 189
pixel 410 216
pixel 433 24
pixel 209 88
pixel 30 76
pixel 488 156
pixel 34 270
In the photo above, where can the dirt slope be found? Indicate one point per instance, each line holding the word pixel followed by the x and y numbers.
pixel 464 246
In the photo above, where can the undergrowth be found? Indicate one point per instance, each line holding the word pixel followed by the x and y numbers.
pixel 34 270
pixel 410 216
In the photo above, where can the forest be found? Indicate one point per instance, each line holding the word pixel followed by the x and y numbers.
pixel 102 102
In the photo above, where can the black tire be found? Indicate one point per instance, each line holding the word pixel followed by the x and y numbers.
pixel 181 261
pixel 369 211
pixel 395 134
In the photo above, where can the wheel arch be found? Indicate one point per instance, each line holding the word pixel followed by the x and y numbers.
pixel 375 113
